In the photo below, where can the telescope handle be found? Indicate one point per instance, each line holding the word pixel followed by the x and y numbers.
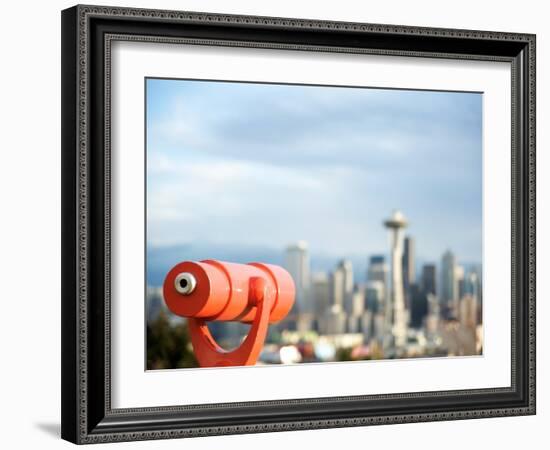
pixel 210 354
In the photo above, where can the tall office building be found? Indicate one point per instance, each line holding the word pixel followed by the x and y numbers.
pixel 337 288
pixel 472 288
pixel 409 274
pixel 434 313
pixel 320 293
pixel 298 265
pixel 418 307
pixel 341 296
pixel 342 285
pixel 373 321
pixel 476 288
pixel 357 310
pixel 367 325
pixel 460 281
pixel 428 281
pixel 375 296
pixel 449 286
pixel 378 271
pixel 471 284
pixel 334 320
pixel 395 224
pixel 358 300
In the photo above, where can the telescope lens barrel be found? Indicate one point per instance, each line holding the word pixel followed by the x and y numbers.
pixel 222 291
pixel 185 283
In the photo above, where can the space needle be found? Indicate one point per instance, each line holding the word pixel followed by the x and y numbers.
pixel 398 320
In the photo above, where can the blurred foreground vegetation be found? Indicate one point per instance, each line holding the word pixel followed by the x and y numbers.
pixel 169 346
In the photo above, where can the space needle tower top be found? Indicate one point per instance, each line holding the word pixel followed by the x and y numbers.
pixel 397 220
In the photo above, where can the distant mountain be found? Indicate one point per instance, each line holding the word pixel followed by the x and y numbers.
pixel 161 259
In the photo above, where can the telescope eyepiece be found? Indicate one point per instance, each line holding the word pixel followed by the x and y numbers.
pixel 185 283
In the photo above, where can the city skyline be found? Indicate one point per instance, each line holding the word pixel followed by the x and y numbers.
pixel 313 178
pixel 161 258
pixel 323 172
pixel 390 311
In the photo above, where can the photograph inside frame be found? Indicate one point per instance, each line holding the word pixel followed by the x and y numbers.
pixel 291 223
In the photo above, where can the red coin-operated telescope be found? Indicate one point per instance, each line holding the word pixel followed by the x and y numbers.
pixel 210 290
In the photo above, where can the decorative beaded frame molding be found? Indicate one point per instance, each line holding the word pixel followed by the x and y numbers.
pixel 87 35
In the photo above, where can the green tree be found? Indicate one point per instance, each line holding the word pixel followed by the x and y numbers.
pixel 169 347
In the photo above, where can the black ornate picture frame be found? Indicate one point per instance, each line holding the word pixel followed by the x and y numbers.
pixel 87 34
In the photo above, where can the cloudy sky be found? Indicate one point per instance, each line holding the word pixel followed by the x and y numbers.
pixel 232 164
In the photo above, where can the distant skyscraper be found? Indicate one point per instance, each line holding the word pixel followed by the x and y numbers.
pixel 367 325
pixel 337 288
pixel 378 271
pixel 358 300
pixel 409 274
pixel 448 277
pixel 297 264
pixel 419 306
pixel 449 285
pixel 357 309
pixel 334 320
pixel 472 288
pixel 395 224
pixel 471 284
pixel 379 328
pixel 459 277
pixel 434 313
pixel 342 285
pixel 320 293
pixel 428 281
pixel 375 296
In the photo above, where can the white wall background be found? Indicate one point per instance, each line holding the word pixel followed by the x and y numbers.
pixel 30 223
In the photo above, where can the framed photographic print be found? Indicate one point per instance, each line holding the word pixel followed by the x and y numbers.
pixel 281 224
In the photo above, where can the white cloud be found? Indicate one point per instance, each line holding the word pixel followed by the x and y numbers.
pixel 271 165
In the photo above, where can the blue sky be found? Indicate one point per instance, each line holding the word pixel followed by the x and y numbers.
pixel 232 164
